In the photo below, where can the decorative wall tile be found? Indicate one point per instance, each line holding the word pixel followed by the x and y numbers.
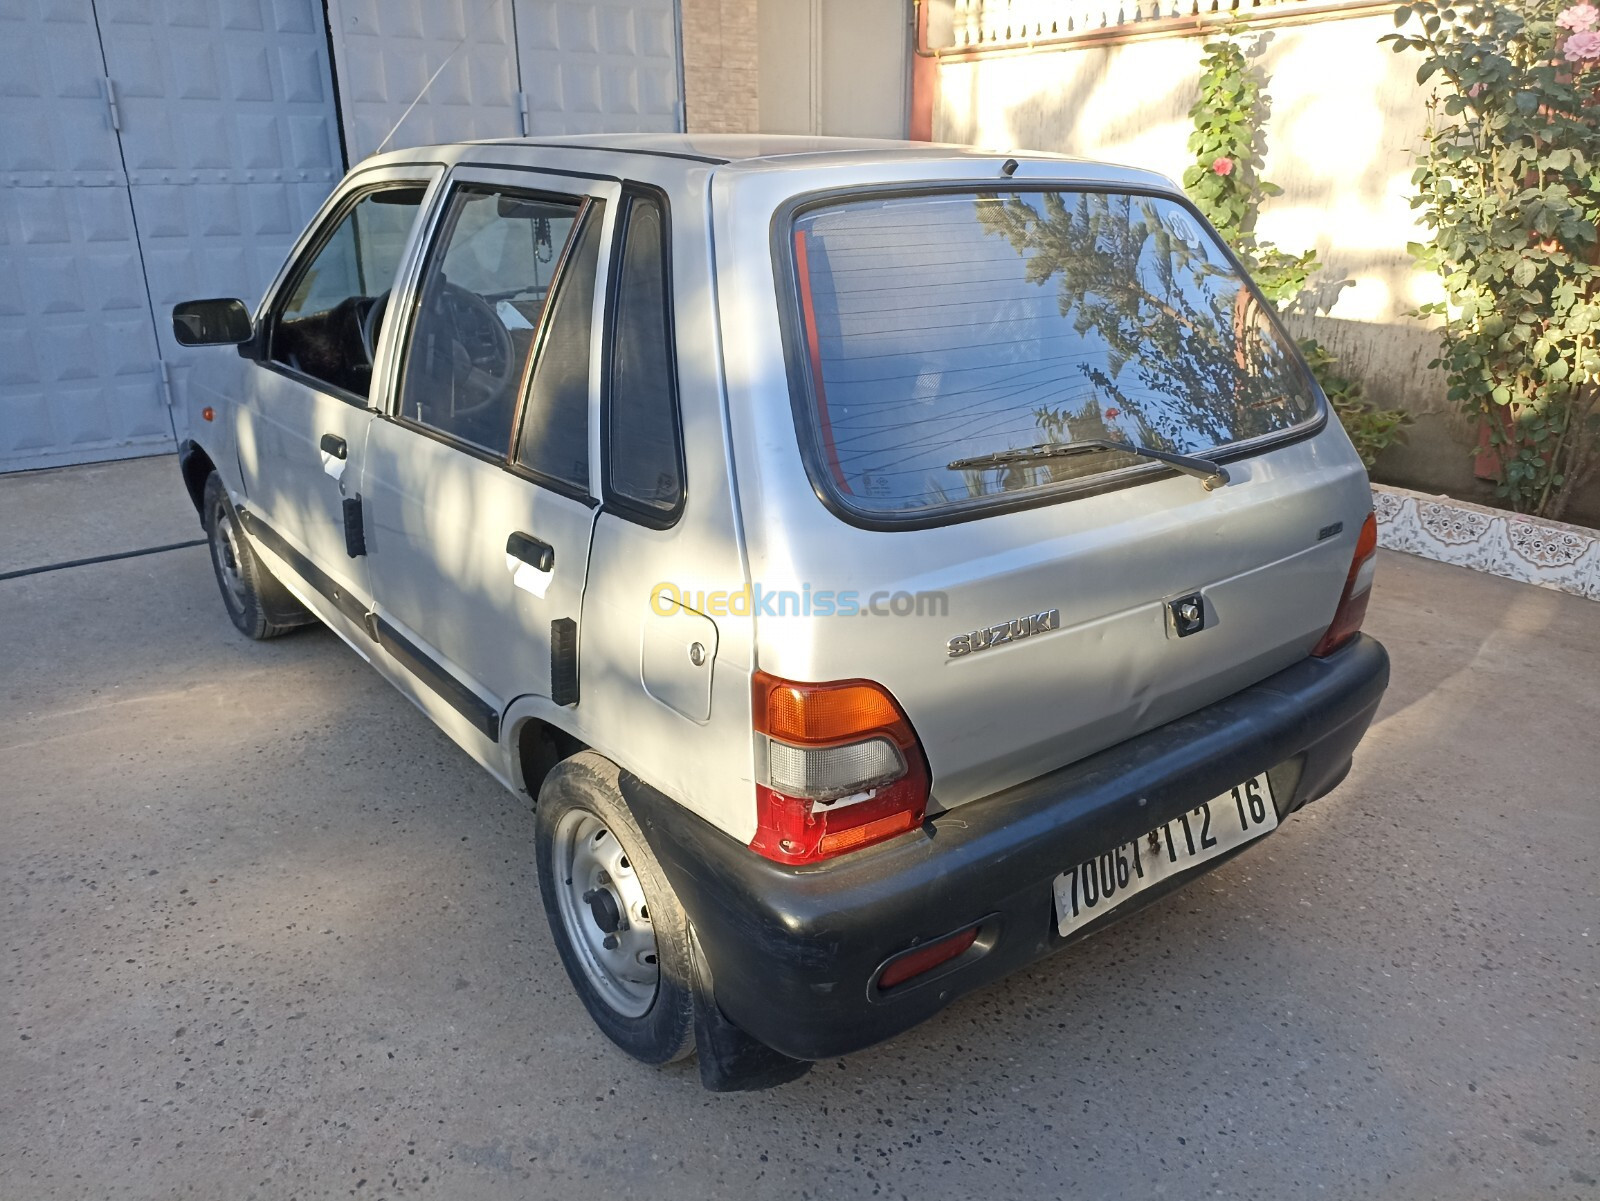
pixel 1548 553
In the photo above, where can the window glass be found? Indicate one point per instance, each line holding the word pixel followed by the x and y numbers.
pixel 555 424
pixel 481 301
pixel 642 434
pixel 330 322
pixel 940 329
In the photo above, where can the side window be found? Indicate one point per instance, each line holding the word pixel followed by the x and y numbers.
pixel 482 296
pixel 555 425
pixel 644 444
pixel 329 323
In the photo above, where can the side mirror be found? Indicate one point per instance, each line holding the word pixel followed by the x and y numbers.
pixel 211 323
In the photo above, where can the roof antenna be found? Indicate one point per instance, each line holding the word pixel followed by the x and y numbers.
pixel 1009 167
pixel 429 84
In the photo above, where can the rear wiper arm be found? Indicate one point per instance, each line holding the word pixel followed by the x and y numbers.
pixel 1209 473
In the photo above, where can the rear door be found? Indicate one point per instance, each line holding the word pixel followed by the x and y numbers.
pixel 314 392
pixel 478 487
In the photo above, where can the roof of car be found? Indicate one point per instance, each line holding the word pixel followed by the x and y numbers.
pixel 764 152
pixel 743 147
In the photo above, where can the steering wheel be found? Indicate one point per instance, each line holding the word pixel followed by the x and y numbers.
pixel 481 356
pixel 371 323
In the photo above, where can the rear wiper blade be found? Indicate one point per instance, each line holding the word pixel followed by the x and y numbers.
pixel 1209 473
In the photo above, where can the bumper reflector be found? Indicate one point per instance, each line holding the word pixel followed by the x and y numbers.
pixel 925 959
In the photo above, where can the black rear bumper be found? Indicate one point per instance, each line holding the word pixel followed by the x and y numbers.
pixel 793 951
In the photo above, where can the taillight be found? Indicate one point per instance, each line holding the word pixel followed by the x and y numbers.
pixel 1352 610
pixel 843 770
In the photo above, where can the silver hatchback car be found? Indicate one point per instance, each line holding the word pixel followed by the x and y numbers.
pixel 882 563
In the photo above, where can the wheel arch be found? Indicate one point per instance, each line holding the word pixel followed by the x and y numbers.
pixel 196 466
pixel 537 747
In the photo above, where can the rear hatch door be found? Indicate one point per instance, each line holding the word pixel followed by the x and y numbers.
pixel 967 369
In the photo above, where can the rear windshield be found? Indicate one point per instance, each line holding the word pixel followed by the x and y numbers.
pixel 941 328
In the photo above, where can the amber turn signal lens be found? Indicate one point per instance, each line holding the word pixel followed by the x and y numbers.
pixel 208 413
pixel 813 713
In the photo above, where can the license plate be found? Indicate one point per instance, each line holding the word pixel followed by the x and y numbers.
pixel 1095 888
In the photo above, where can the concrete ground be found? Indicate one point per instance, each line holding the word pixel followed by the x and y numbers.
pixel 266 933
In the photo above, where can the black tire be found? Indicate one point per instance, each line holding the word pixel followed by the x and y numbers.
pixel 259 606
pixel 581 802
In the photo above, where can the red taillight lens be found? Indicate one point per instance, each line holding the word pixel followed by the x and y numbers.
pixel 844 768
pixel 1352 610
pixel 925 959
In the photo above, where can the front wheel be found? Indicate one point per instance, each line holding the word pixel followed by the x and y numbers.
pixel 259 606
pixel 621 933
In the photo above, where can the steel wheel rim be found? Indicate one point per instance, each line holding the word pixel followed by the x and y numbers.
pixel 226 544
pixel 588 861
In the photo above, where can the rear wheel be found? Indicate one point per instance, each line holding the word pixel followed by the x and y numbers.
pixel 259 606
pixel 621 933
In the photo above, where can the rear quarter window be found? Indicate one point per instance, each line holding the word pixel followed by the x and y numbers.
pixel 939 328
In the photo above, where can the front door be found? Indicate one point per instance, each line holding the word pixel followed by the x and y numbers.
pixel 478 483
pixel 303 428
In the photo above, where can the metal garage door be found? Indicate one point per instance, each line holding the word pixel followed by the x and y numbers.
pixel 149 152
pixel 599 66
pixel 501 68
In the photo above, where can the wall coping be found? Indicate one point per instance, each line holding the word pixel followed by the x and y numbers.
pixel 1551 554
pixel 982 34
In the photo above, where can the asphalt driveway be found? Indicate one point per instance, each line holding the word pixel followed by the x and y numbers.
pixel 265 933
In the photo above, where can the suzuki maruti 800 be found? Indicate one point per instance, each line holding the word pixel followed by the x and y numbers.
pixel 881 564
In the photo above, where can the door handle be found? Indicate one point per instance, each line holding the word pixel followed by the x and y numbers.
pixel 334 445
pixel 540 556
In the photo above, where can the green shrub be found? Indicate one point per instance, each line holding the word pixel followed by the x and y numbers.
pixel 1508 182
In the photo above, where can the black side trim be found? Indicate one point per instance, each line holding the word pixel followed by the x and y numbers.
pixel 351 606
pixel 564 661
pixel 355 531
pixel 483 716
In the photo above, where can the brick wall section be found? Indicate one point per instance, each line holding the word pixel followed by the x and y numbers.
pixel 719 66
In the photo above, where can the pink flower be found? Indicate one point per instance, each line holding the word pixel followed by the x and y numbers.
pixel 1578 17
pixel 1584 46
pixel 1223 166
pixel 1475 90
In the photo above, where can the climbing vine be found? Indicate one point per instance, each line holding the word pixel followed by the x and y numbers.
pixel 1225 183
